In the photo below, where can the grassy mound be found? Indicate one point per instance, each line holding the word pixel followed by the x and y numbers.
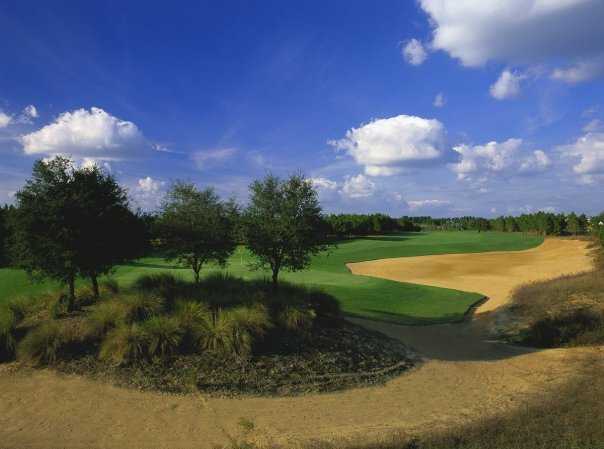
pixel 224 335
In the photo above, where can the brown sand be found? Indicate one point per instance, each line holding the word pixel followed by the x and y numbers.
pixel 465 378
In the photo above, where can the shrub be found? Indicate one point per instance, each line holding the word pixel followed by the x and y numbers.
pixel 42 344
pixel 124 344
pixel 324 305
pixel 162 336
pixel 164 285
pixel 8 322
pixel 20 307
pixel 139 307
pixel 57 306
pixel 84 297
pixel 106 316
pixel 296 319
pixel 191 317
pixel 109 286
pixel 564 329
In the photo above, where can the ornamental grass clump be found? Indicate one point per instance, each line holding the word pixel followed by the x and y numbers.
pixel 8 323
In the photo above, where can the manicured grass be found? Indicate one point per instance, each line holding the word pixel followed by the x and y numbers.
pixel 358 295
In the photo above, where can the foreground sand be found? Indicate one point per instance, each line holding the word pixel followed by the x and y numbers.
pixel 465 377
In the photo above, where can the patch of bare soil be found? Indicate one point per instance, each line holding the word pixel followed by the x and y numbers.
pixel 464 377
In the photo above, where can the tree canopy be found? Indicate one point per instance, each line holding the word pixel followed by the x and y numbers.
pixel 73 222
pixel 283 224
pixel 196 227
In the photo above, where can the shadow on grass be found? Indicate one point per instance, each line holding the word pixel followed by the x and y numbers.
pixel 155 265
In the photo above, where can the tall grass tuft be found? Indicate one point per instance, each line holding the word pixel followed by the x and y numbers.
pixel 163 285
pixel 139 307
pixel 296 319
pixel 8 323
pixel 105 316
pixel 124 344
pixel 109 287
pixel 42 344
pixel 162 336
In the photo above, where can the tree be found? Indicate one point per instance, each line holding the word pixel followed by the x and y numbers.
pixel 72 222
pixel 196 227
pixel 283 224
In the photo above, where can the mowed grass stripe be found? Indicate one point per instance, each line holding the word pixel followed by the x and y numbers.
pixel 358 295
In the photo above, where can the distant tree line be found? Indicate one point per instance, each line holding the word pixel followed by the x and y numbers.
pixel 352 225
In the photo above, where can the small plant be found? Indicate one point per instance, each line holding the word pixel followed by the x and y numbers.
pixel 8 322
pixel 191 316
pixel 42 344
pixel 20 306
pixel 162 336
pixel 124 344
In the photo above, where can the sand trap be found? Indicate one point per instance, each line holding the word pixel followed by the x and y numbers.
pixel 466 378
pixel 494 274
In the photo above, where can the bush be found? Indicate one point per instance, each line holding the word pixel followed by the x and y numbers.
pixel 162 336
pixel 20 307
pixel 296 319
pixel 565 329
pixel 8 323
pixel 324 305
pixel 42 344
pixel 139 307
pixel 164 285
pixel 109 286
pixel 191 317
pixel 106 316
pixel 124 344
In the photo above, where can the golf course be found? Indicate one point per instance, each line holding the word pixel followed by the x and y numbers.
pixel 360 296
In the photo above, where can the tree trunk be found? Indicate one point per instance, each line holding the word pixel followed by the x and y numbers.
pixel 71 297
pixel 95 285
pixel 196 272
pixel 275 276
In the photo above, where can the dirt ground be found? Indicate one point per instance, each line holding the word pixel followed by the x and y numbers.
pixel 464 377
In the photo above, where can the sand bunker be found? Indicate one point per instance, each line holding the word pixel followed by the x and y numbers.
pixel 466 378
pixel 494 274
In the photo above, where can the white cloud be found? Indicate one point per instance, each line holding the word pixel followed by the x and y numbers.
pixel 148 193
pixel 439 100
pixel 324 183
pixel 384 146
pixel 536 162
pixel 580 72
pixel 506 86
pixel 414 52
pixel 30 111
pixel 588 155
pixel 427 204
pixel 84 133
pixel 5 120
pixel 478 163
pixel 89 162
pixel 516 31
pixel 358 186
pixel 593 125
pixel 205 159
pixel 491 157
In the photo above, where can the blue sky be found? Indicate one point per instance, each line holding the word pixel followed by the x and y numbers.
pixel 429 107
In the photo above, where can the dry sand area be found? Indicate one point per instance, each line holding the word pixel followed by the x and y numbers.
pixel 464 377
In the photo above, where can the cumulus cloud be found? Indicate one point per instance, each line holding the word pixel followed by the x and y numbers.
pixel 536 162
pixel 84 133
pixel 30 111
pixel 593 125
pixel 207 158
pixel 414 52
pixel 439 100
pixel 534 32
pixel 385 146
pixel 358 186
pixel 324 183
pixel 506 86
pixel 478 162
pixel 5 119
pixel 148 192
pixel 587 152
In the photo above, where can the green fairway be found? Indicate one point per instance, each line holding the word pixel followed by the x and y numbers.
pixel 358 295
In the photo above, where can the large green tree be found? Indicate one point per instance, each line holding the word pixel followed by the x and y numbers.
pixel 72 222
pixel 283 224
pixel 196 227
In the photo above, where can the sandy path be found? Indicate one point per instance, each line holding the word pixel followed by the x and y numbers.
pixel 466 378
pixel 493 274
